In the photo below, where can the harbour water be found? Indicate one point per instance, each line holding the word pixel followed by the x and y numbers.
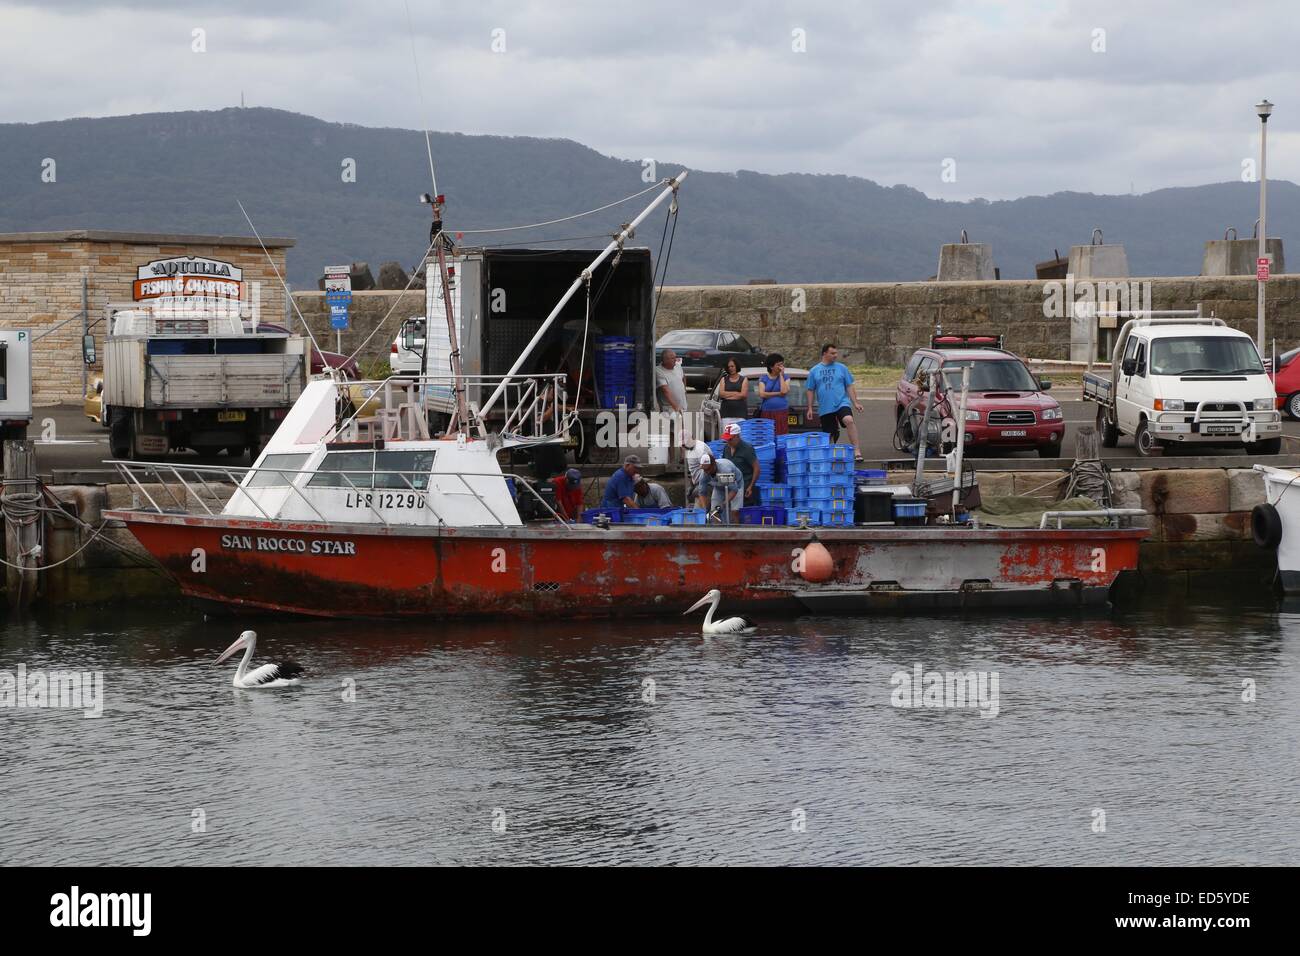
pixel 1119 737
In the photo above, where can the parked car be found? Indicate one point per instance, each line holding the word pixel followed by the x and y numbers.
pixel 348 366
pixel 404 361
pixel 704 353
pixel 1006 407
pixel 710 408
pixel 93 405
pixel 1286 383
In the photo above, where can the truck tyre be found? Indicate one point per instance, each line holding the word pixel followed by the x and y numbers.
pixel 1146 444
pixel 1266 526
pixel 1293 405
pixel 119 434
pixel 1268 446
pixel 1106 428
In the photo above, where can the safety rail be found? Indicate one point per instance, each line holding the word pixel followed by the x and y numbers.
pixel 534 408
pixel 1113 515
pixel 131 472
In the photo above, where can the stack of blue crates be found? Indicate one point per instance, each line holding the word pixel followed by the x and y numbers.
pixel 819 477
pixel 616 370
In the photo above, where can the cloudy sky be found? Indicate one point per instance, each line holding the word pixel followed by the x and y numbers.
pixel 958 99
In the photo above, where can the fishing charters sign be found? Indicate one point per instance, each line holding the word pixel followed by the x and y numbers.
pixel 188 279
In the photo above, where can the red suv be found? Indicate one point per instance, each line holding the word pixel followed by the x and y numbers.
pixel 1006 406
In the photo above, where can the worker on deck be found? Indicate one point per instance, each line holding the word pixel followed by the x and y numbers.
pixel 696 451
pixel 650 494
pixel 620 490
pixel 831 382
pixel 568 494
pixel 714 493
pixel 742 454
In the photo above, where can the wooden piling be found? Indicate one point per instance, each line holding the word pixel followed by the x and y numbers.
pixel 21 499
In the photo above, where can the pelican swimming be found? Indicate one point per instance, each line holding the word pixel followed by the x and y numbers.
pixel 280 674
pixel 730 625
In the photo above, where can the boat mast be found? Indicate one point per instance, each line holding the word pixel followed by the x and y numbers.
pixel 439 243
pixel 670 189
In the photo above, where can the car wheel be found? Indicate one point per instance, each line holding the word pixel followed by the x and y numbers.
pixel 1108 430
pixel 1147 445
pixel 1293 405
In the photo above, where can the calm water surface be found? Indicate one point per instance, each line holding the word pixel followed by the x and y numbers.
pixel 544 728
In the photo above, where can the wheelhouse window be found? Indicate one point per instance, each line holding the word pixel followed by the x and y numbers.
pixel 359 465
pixel 393 469
pixel 277 471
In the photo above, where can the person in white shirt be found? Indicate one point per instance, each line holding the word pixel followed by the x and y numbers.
pixel 696 450
pixel 670 391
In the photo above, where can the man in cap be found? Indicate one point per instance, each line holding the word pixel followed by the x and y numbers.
pixel 742 454
pixel 722 494
pixel 650 494
pixel 620 490
pixel 568 494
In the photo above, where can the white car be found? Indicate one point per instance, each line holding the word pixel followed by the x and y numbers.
pixel 404 361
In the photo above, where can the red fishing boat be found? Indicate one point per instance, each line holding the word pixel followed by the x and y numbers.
pixel 354 508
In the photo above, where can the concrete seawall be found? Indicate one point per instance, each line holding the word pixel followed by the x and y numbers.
pixel 876 323
pixel 1199 520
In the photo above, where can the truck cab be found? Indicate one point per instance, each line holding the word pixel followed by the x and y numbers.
pixel 1186 382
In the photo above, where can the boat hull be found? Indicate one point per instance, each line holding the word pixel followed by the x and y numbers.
pixel 338 570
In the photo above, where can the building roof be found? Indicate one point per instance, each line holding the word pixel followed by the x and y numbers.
pixel 145 238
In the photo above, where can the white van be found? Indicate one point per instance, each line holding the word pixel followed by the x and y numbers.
pixel 404 361
pixel 1185 382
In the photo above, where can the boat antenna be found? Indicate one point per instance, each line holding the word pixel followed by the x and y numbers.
pixel 419 88
pixel 287 294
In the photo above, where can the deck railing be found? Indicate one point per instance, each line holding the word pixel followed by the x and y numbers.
pixel 200 488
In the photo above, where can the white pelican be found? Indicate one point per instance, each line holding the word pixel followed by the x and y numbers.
pixel 280 674
pixel 730 625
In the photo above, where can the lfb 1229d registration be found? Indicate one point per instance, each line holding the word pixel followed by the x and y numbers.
pixel 385 499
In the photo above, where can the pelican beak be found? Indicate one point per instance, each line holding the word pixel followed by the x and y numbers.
pixel 239 645
pixel 697 605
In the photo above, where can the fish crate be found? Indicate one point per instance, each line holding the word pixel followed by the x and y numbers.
pixel 716 447
pixel 773 494
pixel 687 516
pixel 793 516
pixel 837 519
pixel 870 476
pixel 646 516
pixel 796 469
pixel 820 468
pixel 909 510
pixel 842 453
pixel 762 514
pixel 820 453
pixel 615 515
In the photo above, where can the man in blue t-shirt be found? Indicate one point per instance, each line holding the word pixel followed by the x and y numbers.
pixel 832 382
pixel 620 490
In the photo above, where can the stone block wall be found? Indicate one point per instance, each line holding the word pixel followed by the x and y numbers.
pixel 40 287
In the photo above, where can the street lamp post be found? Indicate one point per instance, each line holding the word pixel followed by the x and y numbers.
pixel 1264 109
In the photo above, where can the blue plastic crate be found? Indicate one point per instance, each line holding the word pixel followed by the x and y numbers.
pixel 841 452
pixel 871 476
pixel 909 509
pixel 842 468
pixel 842 481
pixel 834 519
pixel 684 516
pixel 591 514
pixel 822 468
pixel 815 439
pixel 762 514
pixel 822 453
pixel 716 447
pixel 773 494
pixel 795 469
pixel 794 455
pixel 793 516
pixel 837 504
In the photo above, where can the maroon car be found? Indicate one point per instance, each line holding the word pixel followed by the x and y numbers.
pixel 1006 406
pixel 349 366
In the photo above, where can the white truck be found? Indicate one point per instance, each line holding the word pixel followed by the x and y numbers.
pixel 15 383
pixel 1185 380
pixel 195 379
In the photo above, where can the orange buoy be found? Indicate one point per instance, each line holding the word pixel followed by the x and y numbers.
pixel 818 565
